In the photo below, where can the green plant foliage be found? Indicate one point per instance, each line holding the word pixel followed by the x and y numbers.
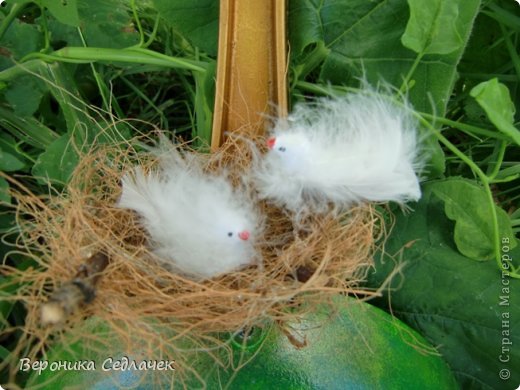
pixel 364 38
pixel 9 162
pixel 19 40
pixel 456 61
pixel 65 11
pixel 4 191
pixel 494 98
pixel 465 202
pixel 434 27
pixel 198 22
pixel 57 163
pixel 452 300
pixel 345 39
pixel 24 95
pixel 102 19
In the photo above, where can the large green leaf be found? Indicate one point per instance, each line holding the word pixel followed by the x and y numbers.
pixel 20 39
pixel 364 38
pixel 66 11
pixel 196 21
pixel 466 203
pixel 466 308
pixel 433 27
pixel 107 23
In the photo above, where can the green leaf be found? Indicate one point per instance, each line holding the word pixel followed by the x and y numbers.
pixel 62 34
pixel 204 101
pixel 494 98
pixel 27 129
pixel 9 145
pixel 57 163
pixel 9 162
pixel 107 23
pixel 66 11
pixel 364 39
pixel 4 353
pixel 466 203
pixel 4 191
pixel 304 13
pixel 19 40
pixel 481 57
pixel 196 22
pixel 509 173
pixel 24 94
pixel 433 27
pixel 82 126
pixel 64 89
pixel 451 300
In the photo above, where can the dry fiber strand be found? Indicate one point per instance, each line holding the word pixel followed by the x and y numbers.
pixel 155 313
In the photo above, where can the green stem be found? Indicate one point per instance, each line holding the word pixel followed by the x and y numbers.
pixel 99 82
pixel 485 182
pixel 498 162
pixel 321 90
pixel 506 180
pixel 153 34
pixel 468 129
pixel 46 35
pixel 311 61
pixel 487 76
pixel 406 81
pixel 131 55
pixel 138 24
pixel 84 55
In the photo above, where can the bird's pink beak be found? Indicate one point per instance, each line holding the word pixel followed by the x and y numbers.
pixel 244 235
pixel 270 142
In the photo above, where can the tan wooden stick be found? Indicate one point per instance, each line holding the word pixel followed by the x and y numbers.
pixel 251 68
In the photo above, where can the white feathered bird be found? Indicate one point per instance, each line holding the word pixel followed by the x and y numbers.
pixel 341 151
pixel 197 223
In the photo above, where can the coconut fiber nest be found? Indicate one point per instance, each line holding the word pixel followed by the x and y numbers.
pixel 94 278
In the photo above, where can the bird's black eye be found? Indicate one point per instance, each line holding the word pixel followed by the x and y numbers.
pixel 281 148
pixel 230 234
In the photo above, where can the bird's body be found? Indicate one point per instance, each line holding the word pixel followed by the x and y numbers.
pixel 341 151
pixel 196 221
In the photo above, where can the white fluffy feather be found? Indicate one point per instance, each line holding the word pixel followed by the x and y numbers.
pixel 196 221
pixel 342 150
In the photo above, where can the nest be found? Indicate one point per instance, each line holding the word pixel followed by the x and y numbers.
pixel 153 312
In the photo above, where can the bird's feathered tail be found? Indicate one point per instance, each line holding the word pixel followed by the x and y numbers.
pixel 140 192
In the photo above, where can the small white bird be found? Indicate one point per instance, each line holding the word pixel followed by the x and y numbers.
pixel 197 223
pixel 341 151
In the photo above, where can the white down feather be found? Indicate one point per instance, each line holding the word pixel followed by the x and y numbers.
pixel 341 151
pixel 197 223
